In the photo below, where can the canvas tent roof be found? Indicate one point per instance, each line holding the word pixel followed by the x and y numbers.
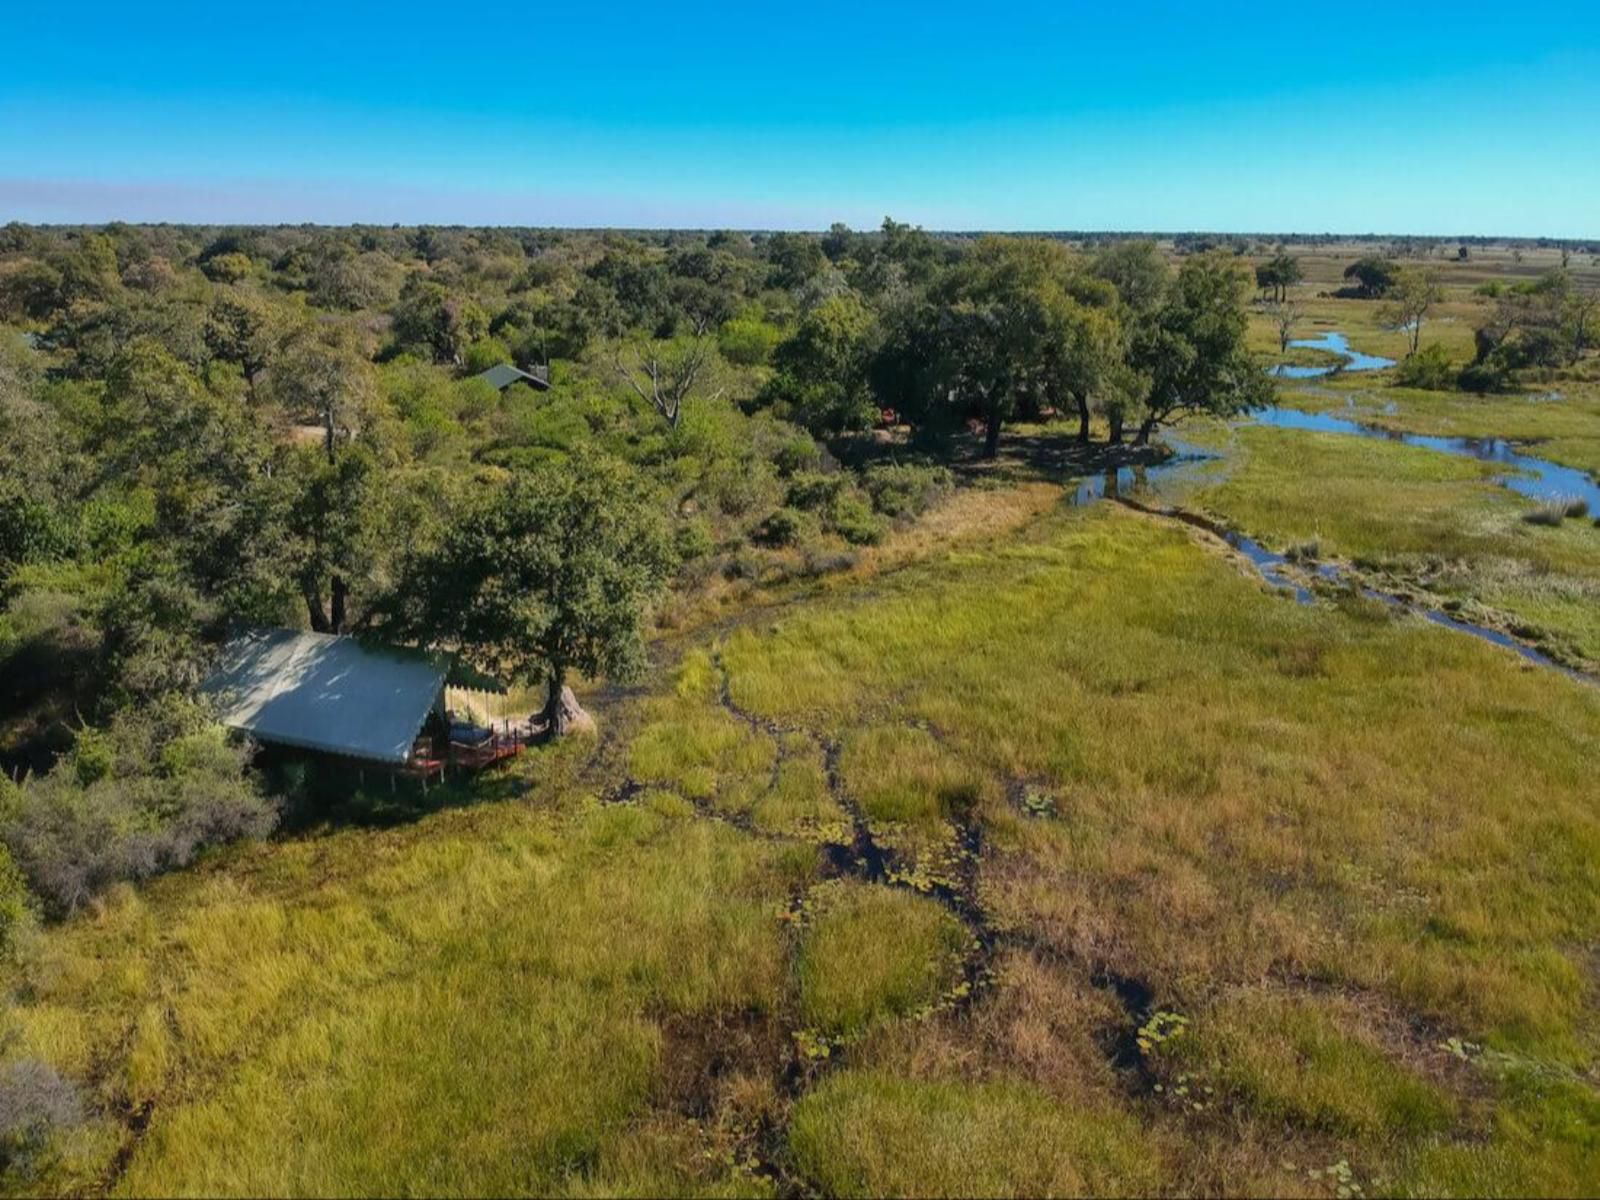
pixel 321 692
pixel 503 376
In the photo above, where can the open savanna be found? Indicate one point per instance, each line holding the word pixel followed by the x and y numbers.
pixel 1071 860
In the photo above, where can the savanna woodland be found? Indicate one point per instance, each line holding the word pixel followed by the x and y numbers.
pixel 999 715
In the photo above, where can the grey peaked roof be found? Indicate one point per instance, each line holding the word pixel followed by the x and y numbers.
pixel 504 375
pixel 320 692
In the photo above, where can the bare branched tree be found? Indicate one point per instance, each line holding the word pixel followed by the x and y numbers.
pixel 665 375
pixel 1285 315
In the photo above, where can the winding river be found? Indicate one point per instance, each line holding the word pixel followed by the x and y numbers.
pixel 1334 343
pixel 1527 475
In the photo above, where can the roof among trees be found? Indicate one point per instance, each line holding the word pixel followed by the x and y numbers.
pixel 320 692
pixel 504 375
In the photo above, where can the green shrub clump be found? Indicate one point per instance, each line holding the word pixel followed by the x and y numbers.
pixel 1429 368
pixel 903 491
pixel 142 797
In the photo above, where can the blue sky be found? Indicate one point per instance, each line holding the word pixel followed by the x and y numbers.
pixel 1425 117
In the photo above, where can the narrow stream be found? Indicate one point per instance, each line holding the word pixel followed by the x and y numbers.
pixel 1334 343
pixel 1536 478
pixel 1527 475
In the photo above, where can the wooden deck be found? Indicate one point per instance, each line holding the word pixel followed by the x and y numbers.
pixel 504 743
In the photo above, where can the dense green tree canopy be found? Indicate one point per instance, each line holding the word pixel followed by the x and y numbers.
pixel 547 576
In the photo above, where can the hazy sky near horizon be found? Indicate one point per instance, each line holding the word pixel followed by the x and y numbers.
pixel 1430 117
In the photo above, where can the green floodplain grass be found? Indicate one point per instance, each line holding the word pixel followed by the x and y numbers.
pixel 1430 519
pixel 1331 838
pixel 1451 323
pixel 871 953
pixel 1561 420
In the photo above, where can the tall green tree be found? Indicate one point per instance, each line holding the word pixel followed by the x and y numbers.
pixel 1138 272
pixel 995 327
pixel 336 513
pixel 244 328
pixel 1278 275
pixel 1373 276
pixel 550 575
pixel 821 370
pixel 1195 356
pixel 1083 347
pixel 444 322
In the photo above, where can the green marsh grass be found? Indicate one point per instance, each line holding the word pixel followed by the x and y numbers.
pixel 463 1006
pixel 1311 1060
pixel 872 953
pixel 1436 521
pixel 1239 782
pixel 865 1133
pixel 1565 429
pixel 1328 836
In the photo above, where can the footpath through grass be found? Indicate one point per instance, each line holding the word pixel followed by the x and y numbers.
pixel 1158 882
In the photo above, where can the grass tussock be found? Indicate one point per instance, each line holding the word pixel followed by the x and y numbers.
pixel 1313 1061
pixel 872 953
pixel 864 1133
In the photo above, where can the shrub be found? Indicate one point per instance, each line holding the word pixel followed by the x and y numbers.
pixel 31 530
pixel 1428 368
pixel 36 1103
pixel 827 562
pixel 852 518
pixel 1490 375
pixel 485 353
pixel 815 491
pixel 227 268
pixel 788 527
pixel 143 797
pixel 797 453
pixel 16 905
pixel 693 540
pixel 907 490
pixel 748 341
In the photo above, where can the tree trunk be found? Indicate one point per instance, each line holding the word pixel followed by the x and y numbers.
pixel 991 435
pixel 341 593
pixel 315 609
pixel 1146 428
pixel 1115 420
pixel 562 713
pixel 1083 416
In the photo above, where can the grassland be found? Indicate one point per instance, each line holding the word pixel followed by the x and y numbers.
pixel 1183 887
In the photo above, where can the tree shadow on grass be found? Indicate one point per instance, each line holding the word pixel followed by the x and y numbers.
pixel 321 793
pixel 1029 453
pixel 1048 454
